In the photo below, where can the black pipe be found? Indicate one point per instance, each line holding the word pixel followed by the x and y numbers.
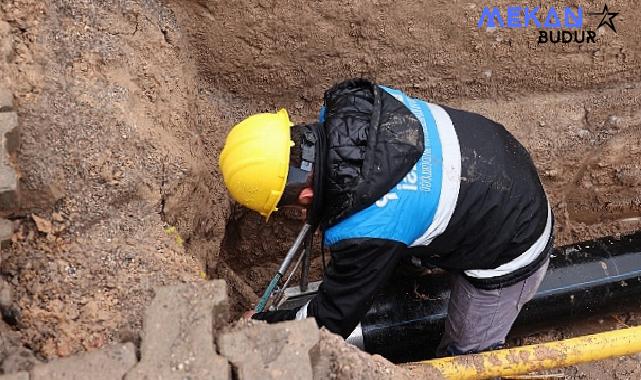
pixel 406 321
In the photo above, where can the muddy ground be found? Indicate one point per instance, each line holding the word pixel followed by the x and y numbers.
pixel 124 105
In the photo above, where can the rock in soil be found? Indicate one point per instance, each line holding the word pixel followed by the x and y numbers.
pixel 20 360
pixel 178 337
pixel 280 351
pixel 342 361
pixel 15 376
pixel 109 363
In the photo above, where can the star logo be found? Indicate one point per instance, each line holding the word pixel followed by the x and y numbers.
pixel 606 20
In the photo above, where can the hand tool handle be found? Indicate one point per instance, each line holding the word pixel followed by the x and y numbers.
pixel 283 267
pixel 268 292
pixel 300 239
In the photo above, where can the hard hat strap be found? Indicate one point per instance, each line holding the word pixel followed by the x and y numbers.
pixel 300 176
pixel 308 142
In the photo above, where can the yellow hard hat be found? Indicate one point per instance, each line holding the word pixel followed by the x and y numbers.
pixel 255 160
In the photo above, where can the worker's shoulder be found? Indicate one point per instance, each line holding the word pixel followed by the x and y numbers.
pixel 469 118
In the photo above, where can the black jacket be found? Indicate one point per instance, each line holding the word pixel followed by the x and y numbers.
pixel 371 142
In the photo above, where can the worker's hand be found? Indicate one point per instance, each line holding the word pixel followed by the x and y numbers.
pixel 248 314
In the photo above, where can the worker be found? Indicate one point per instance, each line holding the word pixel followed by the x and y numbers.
pixel 393 180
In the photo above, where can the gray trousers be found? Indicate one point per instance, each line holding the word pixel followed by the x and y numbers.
pixel 479 319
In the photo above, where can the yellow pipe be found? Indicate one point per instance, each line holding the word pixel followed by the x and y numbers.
pixel 535 357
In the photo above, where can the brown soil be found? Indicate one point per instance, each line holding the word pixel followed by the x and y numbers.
pixel 344 361
pixel 118 141
pixel 124 107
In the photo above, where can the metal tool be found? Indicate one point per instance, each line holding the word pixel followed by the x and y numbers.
pixel 302 237
pixel 307 259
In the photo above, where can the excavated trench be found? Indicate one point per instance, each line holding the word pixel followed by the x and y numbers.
pixel 263 64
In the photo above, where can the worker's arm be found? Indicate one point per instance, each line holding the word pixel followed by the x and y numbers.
pixel 356 271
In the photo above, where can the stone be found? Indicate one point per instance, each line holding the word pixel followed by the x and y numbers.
pixel 6 293
pixel 20 360
pixel 615 121
pixel 8 122
pixel 6 41
pixel 15 376
pixel 178 333
pixel 6 230
pixel 10 314
pixel 9 341
pixel 6 100
pixel 284 350
pixel 8 188
pixel 5 28
pixel 8 177
pixel 9 129
pixel 109 363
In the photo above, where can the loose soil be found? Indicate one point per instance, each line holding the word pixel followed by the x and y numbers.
pixel 124 107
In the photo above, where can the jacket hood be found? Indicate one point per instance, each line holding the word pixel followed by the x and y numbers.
pixel 371 141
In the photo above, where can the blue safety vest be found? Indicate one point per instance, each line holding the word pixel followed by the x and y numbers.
pixel 407 210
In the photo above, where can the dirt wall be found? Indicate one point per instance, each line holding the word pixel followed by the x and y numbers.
pixel 574 106
pixel 111 142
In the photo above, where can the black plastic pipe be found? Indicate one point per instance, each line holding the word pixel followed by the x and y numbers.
pixel 406 321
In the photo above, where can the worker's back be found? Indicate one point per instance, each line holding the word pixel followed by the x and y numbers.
pixel 396 178
pixel 473 200
pixel 408 209
pixel 502 211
